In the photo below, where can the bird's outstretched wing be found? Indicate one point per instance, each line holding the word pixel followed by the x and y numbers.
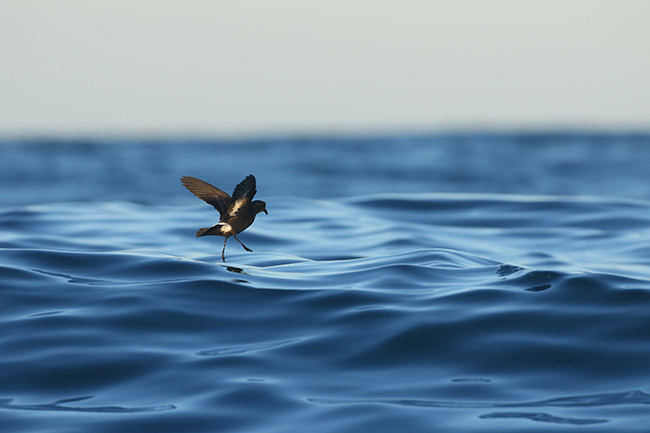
pixel 242 195
pixel 208 193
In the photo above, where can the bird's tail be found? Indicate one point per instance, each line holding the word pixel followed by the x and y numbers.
pixel 219 229
pixel 204 231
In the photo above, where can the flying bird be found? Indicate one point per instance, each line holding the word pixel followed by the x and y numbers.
pixel 237 212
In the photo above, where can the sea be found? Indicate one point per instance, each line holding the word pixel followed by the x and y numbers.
pixel 445 282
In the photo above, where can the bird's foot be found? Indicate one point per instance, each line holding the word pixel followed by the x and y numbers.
pixel 242 244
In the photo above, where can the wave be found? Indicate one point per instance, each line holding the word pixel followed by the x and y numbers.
pixel 480 308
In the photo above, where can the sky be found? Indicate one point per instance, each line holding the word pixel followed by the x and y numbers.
pixel 162 67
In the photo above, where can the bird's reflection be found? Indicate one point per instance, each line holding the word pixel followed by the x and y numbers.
pixel 235 269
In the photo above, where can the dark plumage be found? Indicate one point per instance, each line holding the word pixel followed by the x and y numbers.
pixel 237 212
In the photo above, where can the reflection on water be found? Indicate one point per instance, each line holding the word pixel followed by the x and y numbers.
pixel 235 269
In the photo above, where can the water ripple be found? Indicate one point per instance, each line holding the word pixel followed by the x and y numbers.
pixel 242 349
pixel 596 400
pixel 59 405
pixel 544 417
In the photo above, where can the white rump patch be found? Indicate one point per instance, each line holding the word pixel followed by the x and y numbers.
pixel 225 228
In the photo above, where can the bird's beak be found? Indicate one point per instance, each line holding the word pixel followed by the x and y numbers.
pixel 266 212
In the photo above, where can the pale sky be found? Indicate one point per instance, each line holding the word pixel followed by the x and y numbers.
pixel 297 66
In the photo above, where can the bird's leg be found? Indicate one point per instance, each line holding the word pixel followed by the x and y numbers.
pixel 223 251
pixel 245 247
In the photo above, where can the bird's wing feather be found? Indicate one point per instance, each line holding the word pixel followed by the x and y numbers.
pixel 242 195
pixel 208 193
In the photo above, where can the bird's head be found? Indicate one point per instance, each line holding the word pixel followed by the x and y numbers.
pixel 259 206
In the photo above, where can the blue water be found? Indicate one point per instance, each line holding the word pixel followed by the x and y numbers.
pixel 447 283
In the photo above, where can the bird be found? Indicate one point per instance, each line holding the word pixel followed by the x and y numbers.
pixel 237 213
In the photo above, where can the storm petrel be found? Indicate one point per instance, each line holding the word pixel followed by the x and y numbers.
pixel 237 212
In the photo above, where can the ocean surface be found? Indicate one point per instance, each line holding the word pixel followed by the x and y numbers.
pixel 410 283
